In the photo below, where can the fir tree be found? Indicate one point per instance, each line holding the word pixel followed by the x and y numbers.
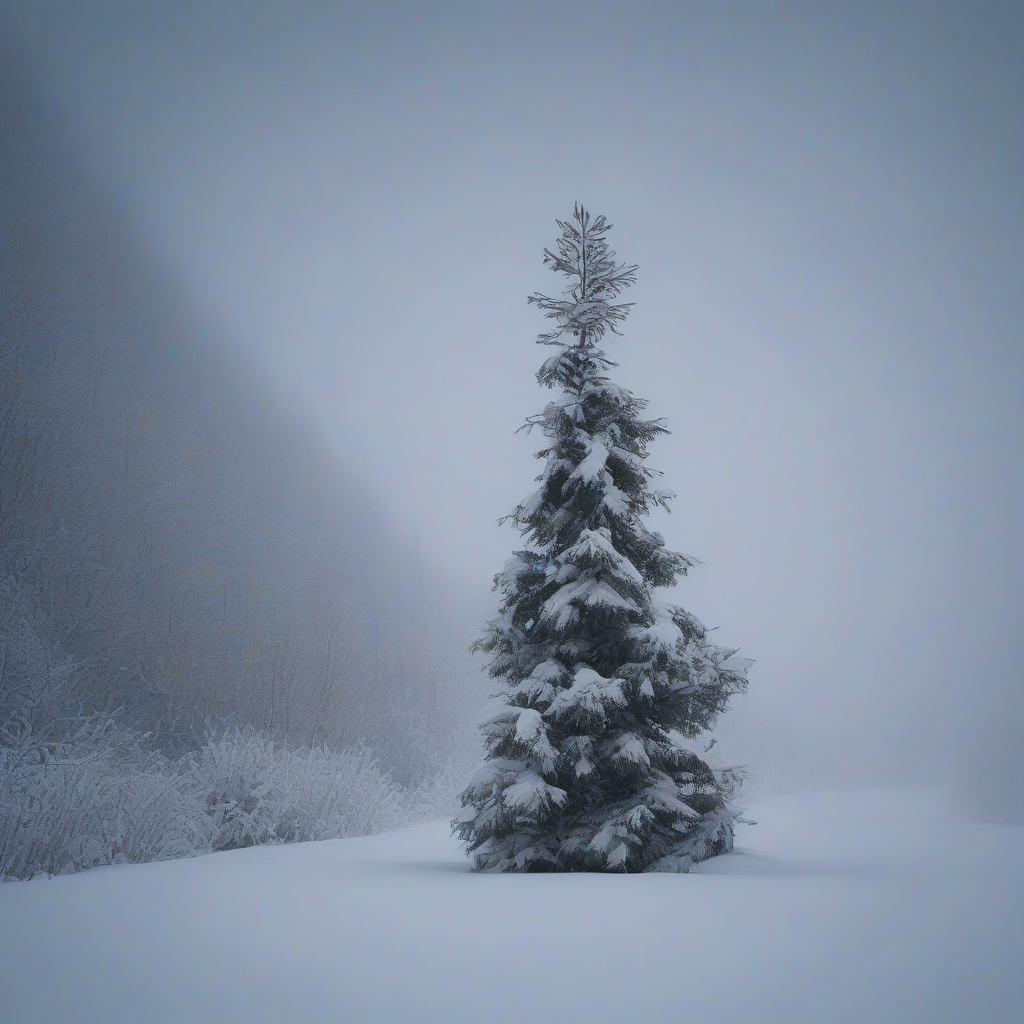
pixel 587 762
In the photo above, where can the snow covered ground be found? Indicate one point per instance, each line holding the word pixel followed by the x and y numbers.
pixel 867 906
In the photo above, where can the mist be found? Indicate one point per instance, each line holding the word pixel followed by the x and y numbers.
pixel 826 205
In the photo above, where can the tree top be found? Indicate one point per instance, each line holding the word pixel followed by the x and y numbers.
pixel 585 312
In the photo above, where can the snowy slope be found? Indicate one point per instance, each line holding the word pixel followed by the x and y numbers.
pixel 871 906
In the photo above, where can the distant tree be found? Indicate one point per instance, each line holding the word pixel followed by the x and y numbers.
pixel 588 765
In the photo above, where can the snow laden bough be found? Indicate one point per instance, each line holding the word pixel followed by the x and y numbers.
pixel 590 762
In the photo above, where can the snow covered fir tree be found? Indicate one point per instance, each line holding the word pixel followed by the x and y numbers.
pixel 590 759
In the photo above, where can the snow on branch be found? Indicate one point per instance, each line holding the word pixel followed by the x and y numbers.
pixel 585 257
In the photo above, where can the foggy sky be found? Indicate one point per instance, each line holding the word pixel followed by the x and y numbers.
pixel 826 203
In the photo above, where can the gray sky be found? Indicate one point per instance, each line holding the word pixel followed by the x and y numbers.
pixel 827 206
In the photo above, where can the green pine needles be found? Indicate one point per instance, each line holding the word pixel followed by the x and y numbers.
pixel 588 765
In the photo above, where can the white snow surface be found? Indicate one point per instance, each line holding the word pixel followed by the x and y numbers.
pixel 866 906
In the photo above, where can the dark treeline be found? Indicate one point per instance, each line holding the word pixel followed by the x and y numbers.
pixel 172 542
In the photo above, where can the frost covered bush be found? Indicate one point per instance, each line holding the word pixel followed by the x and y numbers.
pixel 255 793
pixel 95 796
pixel 99 796
pixel 78 789
pixel 437 796
pixel 340 794
pixel 155 813
pixel 236 775
pixel 63 804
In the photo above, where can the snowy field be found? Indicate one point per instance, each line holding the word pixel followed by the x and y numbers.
pixel 870 906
